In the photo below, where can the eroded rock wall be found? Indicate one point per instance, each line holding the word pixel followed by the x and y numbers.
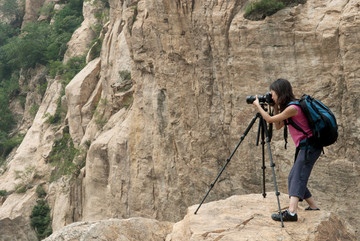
pixel 193 64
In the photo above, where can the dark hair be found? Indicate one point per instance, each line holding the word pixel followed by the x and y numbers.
pixel 283 89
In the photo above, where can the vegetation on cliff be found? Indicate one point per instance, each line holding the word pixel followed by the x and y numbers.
pixel 40 215
pixel 22 49
pixel 258 10
pixel 65 157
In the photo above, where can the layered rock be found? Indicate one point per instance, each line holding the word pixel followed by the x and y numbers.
pixel 193 64
pixel 245 217
pixel 114 229
pixel 32 9
pixel 27 169
pixel 15 217
pixel 82 95
pixel 82 38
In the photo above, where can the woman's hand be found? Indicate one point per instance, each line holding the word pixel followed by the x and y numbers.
pixel 256 101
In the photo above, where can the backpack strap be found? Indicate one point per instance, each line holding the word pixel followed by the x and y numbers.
pixel 285 133
pixel 291 122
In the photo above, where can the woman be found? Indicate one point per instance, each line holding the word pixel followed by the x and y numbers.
pixel 282 95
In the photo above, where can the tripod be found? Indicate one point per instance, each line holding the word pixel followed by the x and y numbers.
pixel 263 131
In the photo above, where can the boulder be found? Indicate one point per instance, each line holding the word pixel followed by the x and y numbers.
pixel 114 230
pixel 248 217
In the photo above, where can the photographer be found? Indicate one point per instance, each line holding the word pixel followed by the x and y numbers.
pixel 282 95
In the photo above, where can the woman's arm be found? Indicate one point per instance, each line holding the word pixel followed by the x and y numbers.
pixel 278 118
pixel 279 124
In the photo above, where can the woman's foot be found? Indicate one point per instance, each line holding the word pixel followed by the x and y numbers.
pixel 312 209
pixel 286 216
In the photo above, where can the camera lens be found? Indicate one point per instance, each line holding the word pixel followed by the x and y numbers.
pixel 267 98
pixel 250 99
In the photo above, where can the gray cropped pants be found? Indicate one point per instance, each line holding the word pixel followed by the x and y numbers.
pixel 300 172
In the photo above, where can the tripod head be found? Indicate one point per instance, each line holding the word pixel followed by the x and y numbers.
pixel 264 124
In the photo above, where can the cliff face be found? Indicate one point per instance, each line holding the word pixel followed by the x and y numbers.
pixel 157 140
pixel 192 65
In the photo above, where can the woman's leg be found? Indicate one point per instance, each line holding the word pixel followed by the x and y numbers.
pixel 300 173
pixel 294 201
pixel 311 202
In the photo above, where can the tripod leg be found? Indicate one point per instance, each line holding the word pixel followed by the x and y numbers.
pixel 229 158
pixel 272 166
pixel 263 159
pixel 261 133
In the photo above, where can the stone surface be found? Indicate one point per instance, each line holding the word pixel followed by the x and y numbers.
pixel 15 217
pixel 81 40
pixel 28 162
pixel 248 217
pixel 27 168
pixel 114 229
pixel 32 9
pixel 80 92
pixel 245 217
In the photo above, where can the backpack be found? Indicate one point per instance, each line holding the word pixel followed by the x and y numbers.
pixel 322 121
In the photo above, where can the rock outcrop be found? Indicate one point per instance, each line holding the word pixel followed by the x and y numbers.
pixel 114 229
pixel 83 37
pixel 245 217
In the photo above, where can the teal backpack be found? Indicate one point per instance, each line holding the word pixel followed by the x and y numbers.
pixel 322 121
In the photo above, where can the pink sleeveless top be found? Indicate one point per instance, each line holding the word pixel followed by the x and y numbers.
pixel 302 122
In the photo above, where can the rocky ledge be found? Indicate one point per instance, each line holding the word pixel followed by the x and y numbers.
pixel 245 217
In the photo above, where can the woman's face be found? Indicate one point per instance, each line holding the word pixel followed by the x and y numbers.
pixel 274 96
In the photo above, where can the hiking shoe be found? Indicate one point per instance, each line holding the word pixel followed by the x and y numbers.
pixel 311 209
pixel 286 216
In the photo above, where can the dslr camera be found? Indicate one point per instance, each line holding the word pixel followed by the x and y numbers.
pixel 262 99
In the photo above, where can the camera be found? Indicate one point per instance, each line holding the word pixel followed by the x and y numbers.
pixel 262 99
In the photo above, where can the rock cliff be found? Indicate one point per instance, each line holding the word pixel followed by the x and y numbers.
pixel 156 140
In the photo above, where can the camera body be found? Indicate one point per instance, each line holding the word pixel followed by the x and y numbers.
pixel 267 98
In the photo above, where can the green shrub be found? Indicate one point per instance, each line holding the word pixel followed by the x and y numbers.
pixel 33 110
pixel 41 89
pixel 263 8
pixel 40 191
pixel 6 117
pixel 7 144
pixel 6 33
pixel 260 9
pixel 69 70
pixel 3 193
pixel 125 75
pixel 47 10
pixel 20 188
pixel 30 47
pixel 62 157
pixel 41 220
pixel 11 8
pixel 96 47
